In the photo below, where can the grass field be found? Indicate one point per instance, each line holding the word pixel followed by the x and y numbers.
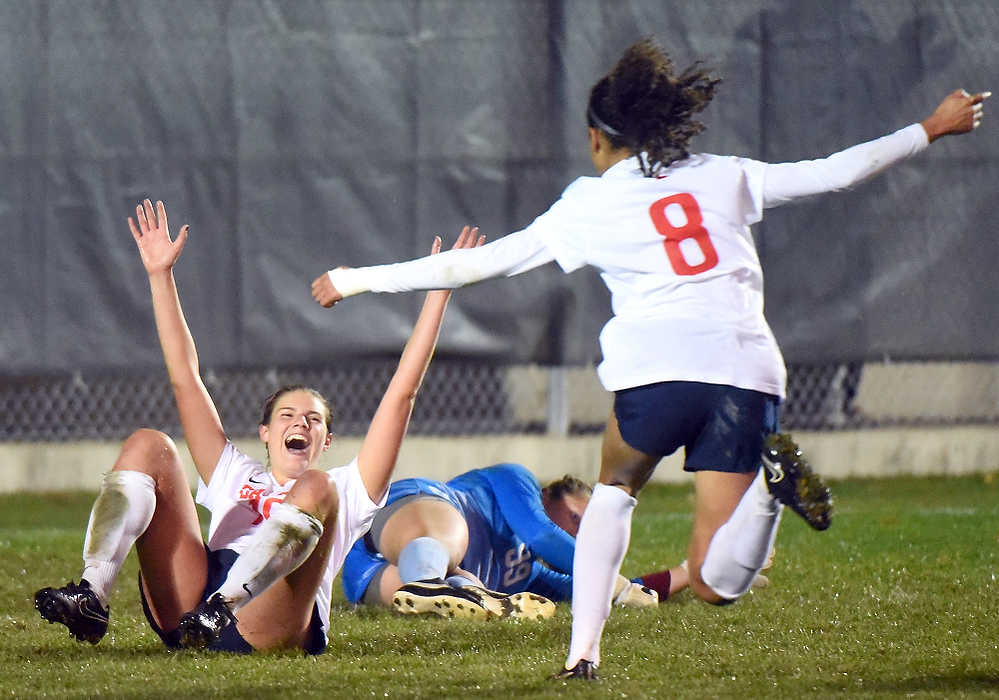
pixel 898 599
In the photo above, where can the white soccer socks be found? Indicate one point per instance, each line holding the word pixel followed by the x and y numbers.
pixel 423 559
pixel 280 545
pixel 122 511
pixel 604 534
pixel 740 547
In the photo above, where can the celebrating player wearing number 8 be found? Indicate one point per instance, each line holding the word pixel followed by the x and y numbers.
pixel 688 352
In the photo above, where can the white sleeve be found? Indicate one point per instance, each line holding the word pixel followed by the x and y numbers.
pixel 784 182
pixel 510 255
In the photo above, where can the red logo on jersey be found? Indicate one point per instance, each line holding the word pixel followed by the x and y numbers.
pixel 252 496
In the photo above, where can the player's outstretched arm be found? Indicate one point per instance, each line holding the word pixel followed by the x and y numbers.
pixel 958 113
pixel 507 256
pixel 198 416
pixel 380 448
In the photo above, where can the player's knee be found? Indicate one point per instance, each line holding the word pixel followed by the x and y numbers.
pixel 708 593
pixel 315 492
pixel 149 451
pixel 629 476
pixel 705 593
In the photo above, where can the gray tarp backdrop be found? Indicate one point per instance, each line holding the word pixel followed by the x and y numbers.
pixel 296 135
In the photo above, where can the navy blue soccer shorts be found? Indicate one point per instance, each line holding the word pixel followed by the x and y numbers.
pixel 722 428
pixel 219 563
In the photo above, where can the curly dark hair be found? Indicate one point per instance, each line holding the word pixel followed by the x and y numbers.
pixel 645 106
pixel 269 402
pixel 568 485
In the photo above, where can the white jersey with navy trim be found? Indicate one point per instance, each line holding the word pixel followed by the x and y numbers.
pixel 242 491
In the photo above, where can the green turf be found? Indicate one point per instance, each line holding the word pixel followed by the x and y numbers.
pixel 898 599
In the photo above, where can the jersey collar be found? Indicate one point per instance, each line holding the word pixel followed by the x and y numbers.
pixel 624 168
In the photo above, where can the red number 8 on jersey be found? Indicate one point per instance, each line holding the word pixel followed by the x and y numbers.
pixel 692 229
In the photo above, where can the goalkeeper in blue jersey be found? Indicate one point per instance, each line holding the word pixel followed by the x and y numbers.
pixel 488 543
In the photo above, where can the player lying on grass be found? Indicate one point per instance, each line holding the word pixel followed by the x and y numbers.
pixel 688 352
pixel 488 543
pixel 278 534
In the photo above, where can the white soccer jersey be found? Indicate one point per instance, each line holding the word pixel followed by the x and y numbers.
pixel 242 492
pixel 678 257
pixel 675 252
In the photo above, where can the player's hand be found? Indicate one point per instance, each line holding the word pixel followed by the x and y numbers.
pixel 324 292
pixel 468 238
pixel 635 595
pixel 152 237
pixel 959 113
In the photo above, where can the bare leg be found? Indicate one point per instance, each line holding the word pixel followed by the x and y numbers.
pixel 171 552
pixel 741 545
pixel 716 496
pixel 388 583
pixel 280 616
pixel 425 517
pixel 143 502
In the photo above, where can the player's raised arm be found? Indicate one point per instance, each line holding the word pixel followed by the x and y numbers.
pixel 198 415
pixel 380 448
pixel 958 113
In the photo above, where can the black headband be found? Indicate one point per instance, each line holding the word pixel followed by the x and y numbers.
pixel 601 124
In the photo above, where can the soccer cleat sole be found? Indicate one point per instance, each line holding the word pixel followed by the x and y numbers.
pixel 417 601
pixel 520 606
pixel 804 492
pixel 528 606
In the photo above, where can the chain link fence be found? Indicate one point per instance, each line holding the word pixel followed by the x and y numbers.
pixel 463 398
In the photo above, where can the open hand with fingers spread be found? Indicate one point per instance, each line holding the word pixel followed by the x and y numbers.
pixel 152 236
pixel 959 113
pixel 326 294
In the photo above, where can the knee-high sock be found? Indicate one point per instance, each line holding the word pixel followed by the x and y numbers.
pixel 604 534
pixel 740 547
pixel 280 545
pixel 422 559
pixel 122 511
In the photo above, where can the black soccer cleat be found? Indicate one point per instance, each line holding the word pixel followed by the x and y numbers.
pixel 203 626
pixel 791 481
pixel 587 670
pixel 77 607
pixel 440 598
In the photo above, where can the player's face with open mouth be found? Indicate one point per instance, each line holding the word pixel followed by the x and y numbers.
pixel 296 434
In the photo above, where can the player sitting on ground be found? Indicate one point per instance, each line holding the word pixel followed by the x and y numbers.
pixel 277 535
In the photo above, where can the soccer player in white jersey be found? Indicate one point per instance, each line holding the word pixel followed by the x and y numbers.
pixel 278 533
pixel 688 352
